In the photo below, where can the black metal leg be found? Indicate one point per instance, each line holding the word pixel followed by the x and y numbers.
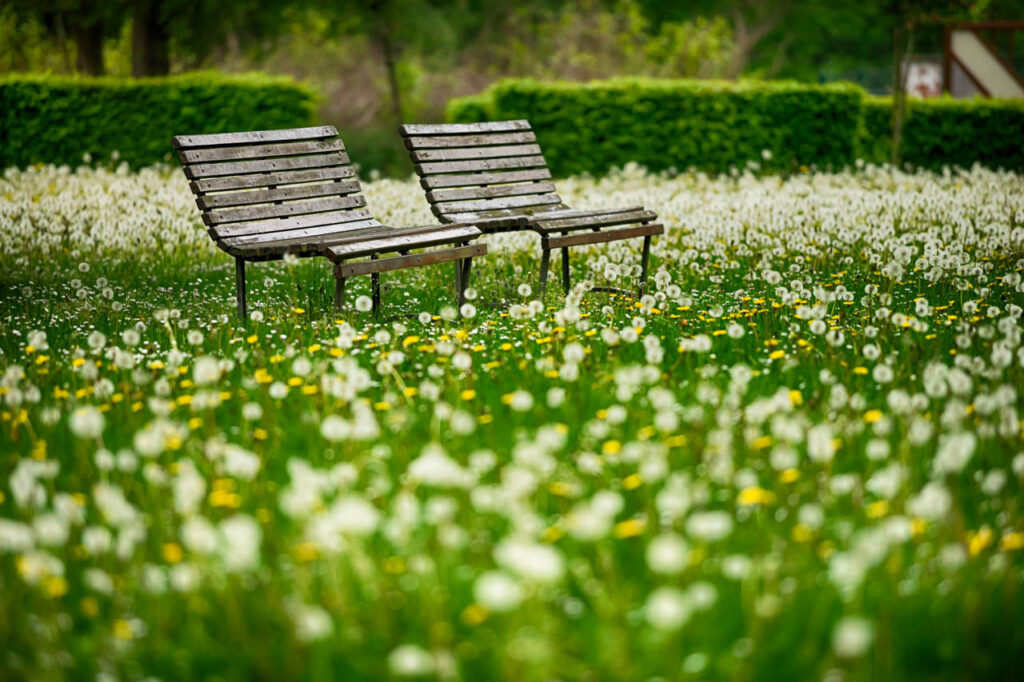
pixel 645 256
pixel 545 263
pixel 464 266
pixel 240 287
pixel 565 268
pixel 458 281
pixel 375 287
pixel 339 293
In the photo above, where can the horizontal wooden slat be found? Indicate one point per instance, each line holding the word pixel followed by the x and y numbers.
pixel 566 213
pixel 451 141
pixel 481 165
pixel 265 151
pixel 605 236
pixel 297 239
pixel 476 179
pixel 501 202
pixel 402 242
pixel 284 224
pixel 271 179
pixel 399 262
pixel 506 217
pixel 556 224
pixel 265 196
pixel 463 128
pixel 474 153
pixel 205 170
pixel 253 137
pixel 490 192
pixel 293 208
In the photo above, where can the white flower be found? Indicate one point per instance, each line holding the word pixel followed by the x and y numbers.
pixel 709 526
pixel 852 637
pixel 933 502
pixel 497 591
pixel 87 422
pixel 409 660
pixel 199 536
pixel 667 554
pixel 312 623
pixel 954 452
pixel 206 370
pixel 242 537
pixel 434 467
pixel 531 561
pixel 668 608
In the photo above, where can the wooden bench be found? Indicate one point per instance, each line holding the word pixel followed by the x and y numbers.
pixel 494 175
pixel 270 193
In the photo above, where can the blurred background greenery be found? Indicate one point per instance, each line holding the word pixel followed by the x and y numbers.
pixel 377 62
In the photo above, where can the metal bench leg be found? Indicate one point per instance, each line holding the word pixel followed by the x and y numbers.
pixel 375 290
pixel 240 287
pixel 644 258
pixel 545 263
pixel 464 266
pixel 339 293
pixel 565 268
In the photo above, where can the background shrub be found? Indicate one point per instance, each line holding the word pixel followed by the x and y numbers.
pixel 59 119
pixel 661 124
pixel 712 125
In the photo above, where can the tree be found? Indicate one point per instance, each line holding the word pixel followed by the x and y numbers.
pixel 86 23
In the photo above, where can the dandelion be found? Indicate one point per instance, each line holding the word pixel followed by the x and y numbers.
pixel 668 608
pixel 497 592
pixel 87 422
pixel 409 660
pixel 852 637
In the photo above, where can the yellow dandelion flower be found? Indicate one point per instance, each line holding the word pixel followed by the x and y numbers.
pixel 630 528
pixel 474 615
pixel 871 416
pixel 172 552
pixel 755 495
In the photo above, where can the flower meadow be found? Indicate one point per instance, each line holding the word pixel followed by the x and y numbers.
pixel 798 456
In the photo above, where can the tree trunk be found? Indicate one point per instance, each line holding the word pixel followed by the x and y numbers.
pixel 382 30
pixel 903 35
pixel 151 47
pixel 89 41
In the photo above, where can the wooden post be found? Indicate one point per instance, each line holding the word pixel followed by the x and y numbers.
pixel 240 287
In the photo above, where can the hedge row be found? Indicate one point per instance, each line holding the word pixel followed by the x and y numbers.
pixel 714 125
pixel 59 120
pixel 947 132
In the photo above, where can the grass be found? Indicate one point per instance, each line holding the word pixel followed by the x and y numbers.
pixel 800 456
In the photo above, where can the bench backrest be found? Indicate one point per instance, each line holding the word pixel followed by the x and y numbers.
pixel 476 172
pixel 284 188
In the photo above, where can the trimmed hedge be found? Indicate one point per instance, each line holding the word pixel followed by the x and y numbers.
pixel 661 124
pixel 60 119
pixel 714 126
pixel 948 132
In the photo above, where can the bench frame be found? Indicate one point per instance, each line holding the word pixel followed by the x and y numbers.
pixel 269 194
pixel 494 175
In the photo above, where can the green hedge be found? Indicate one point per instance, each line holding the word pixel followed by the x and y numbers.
pixel 714 126
pixel 59 119
pixel 948 132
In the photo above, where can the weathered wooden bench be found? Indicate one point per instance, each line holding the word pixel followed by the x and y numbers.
pixel 494 175
pixel 270 193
